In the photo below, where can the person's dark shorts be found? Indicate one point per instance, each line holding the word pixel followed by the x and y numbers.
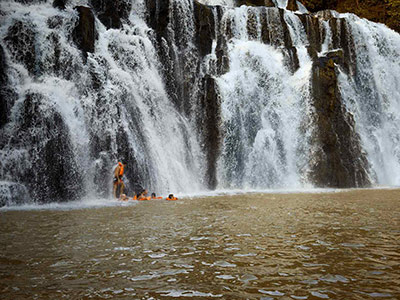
pixel 116 179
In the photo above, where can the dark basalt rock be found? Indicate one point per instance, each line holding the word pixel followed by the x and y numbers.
pixel 20 41
pixel 267 3
pixel 252 25
pixel 204 22
pixel 111 13
pixel 313 30
pixel 3 81
pixel 60 4
pixel 210 127
pixel 292 5
pixel 222 57
pixel 85 34
pixel 291 57
pixel 54 174
pixel 339 160
pixel 318 5
pixel 16 191
pixel 158 16
pixel 30 1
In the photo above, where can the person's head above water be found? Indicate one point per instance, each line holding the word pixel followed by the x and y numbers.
pixel 170 196
pixel 153 195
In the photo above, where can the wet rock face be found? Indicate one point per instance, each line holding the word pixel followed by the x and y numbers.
pixel 291 57
pixel 84 34
pixel 339 161
pixel 54 175
pixel 210 126
pixel 204 22
pixel 60 3
pixel 267 3
pixel 20 41
pixel 112 13
pixel 3 82
pixel 14 191
pixel 292 5
pixel 158 15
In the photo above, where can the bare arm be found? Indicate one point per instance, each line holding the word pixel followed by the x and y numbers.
pixel 116 172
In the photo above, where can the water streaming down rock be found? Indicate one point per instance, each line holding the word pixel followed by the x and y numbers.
pixel 193 96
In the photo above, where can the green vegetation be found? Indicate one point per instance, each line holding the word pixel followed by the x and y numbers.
pixel 382 11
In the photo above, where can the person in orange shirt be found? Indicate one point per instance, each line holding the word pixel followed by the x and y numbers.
pixel 171 197
pixel 118 182
pixel 143 195
pixel 153 196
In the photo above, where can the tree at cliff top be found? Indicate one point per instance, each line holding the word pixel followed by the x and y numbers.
pixel 382 11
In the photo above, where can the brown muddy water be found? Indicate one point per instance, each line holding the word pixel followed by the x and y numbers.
pixel 343 245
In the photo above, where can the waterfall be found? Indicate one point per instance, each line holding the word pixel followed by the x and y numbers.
pixel 263 105
pixel 195 95
pixel 373 96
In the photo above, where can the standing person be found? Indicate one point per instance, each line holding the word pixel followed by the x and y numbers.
pixel 118 182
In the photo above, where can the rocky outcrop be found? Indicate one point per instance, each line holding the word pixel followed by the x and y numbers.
pixel 54 174
pixel 267 3
pixel 292 5
pixel 12 193
pixel 112 13
pixel 20 41
pixel 386 12
pixel 339 161
pixel 85 34
pixel 3 96
pixel 60 4
pixel 290 52
pixel 158 16
pixel 210 127
pixel 205 32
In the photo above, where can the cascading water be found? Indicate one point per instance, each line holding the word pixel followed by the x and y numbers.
pixel 263 105
pixel 193 97
pixel 90 114
pixel 373 96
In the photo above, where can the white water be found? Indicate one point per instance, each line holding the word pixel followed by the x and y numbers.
pixel 263 108
pixel 131 98
pixel 373 96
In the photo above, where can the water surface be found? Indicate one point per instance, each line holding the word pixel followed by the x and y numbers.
pixel 342 245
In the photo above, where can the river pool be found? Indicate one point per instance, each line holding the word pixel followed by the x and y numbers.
pixel 335 245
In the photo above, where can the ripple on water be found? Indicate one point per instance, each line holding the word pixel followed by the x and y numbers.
pixel 186 293
pixel 157 255
pixel 351 245
pixel 320 295
pixel 247 278
pixel 144 277
pixel 224 264
pixel 334 278
pixel 272 293
pixel 226 277
pixel 245 254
